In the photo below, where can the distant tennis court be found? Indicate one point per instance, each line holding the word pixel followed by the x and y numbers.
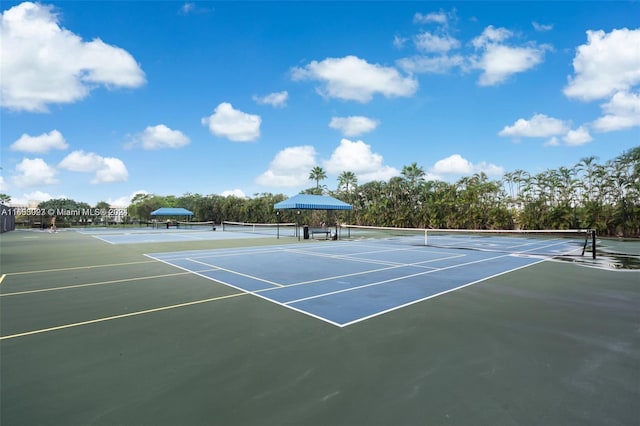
pixel 186 231
pixel 200 327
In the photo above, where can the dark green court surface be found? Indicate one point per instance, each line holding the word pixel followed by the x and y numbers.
pixel 100 334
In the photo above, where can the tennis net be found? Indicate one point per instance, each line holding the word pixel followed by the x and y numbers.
pixel 570 242
pixel 197 226
pixel 281 229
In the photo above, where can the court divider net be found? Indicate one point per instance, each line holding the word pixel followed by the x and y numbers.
pixel 283 229
pixel 565 242
pixel 207 225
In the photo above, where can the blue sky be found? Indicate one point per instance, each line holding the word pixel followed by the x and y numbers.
pixel 102 100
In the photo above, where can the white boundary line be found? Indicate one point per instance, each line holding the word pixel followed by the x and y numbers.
pixel 253 293
pixel 288 304
pixel 195 254
pixel 439 294
pixel 397 266
pixel 393 265
pixel 353 257
pixel 417 274
pixel 219 268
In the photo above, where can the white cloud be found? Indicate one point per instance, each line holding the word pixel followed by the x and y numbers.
pixel 399 42
pixel 489 169
pixel 276 99
pixel 454 164
pixel 608 63
pixel 434 47
pixel 458 165
pixel 234 193
pixel 440 64
pixel 233 124
pixel 542 27
pixel 290 167
pixel 43 63
pixel 187 8
pixel 161 136
pixel 112 170
pixel 357 157
pixel 107 169
pixel 3 184
pixel 352 78
pixel 499 61
pixel 31 199
pixel 554 141
pixel 434 17
pixel 354 125
pixel 34 172
pixel 192 8
pixel 621 112
pixel 40 144
pixel 429 42
pixel 538 126
pixel 579 136
pixel 79 161
pixel 542 126
pixel 491 36
pixel 125 201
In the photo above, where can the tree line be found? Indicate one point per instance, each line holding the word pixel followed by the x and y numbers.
pixel 602 196
pixel 588 195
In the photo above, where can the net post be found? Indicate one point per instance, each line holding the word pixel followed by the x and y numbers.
pixel 426 238
pixel 593 243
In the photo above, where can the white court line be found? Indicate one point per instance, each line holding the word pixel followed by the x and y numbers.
pixel 97 237
pixel 438 294
pixel 245 291
pixel 397 266
pixel 393 265
pixel 396 279
pixel 408 276
pixel 195 254
pixel 289 306
pixel 236 273
pixel 353 257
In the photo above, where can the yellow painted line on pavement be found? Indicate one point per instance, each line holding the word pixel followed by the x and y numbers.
pixel 68 287
pixel 43 271
pixel 115 317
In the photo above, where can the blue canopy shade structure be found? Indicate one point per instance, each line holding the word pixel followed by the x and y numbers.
pixel 312 202
pixel 171 211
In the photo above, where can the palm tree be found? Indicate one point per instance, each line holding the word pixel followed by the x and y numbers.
pixel 587 166
pixel 317 174
pixel 413 174
pixel 347 180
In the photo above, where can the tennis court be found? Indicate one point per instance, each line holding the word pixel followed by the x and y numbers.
pixel 185 231
pixel 266 331
pixel 345 282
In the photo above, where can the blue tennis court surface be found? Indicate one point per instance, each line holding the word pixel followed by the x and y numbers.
pixel 344 282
